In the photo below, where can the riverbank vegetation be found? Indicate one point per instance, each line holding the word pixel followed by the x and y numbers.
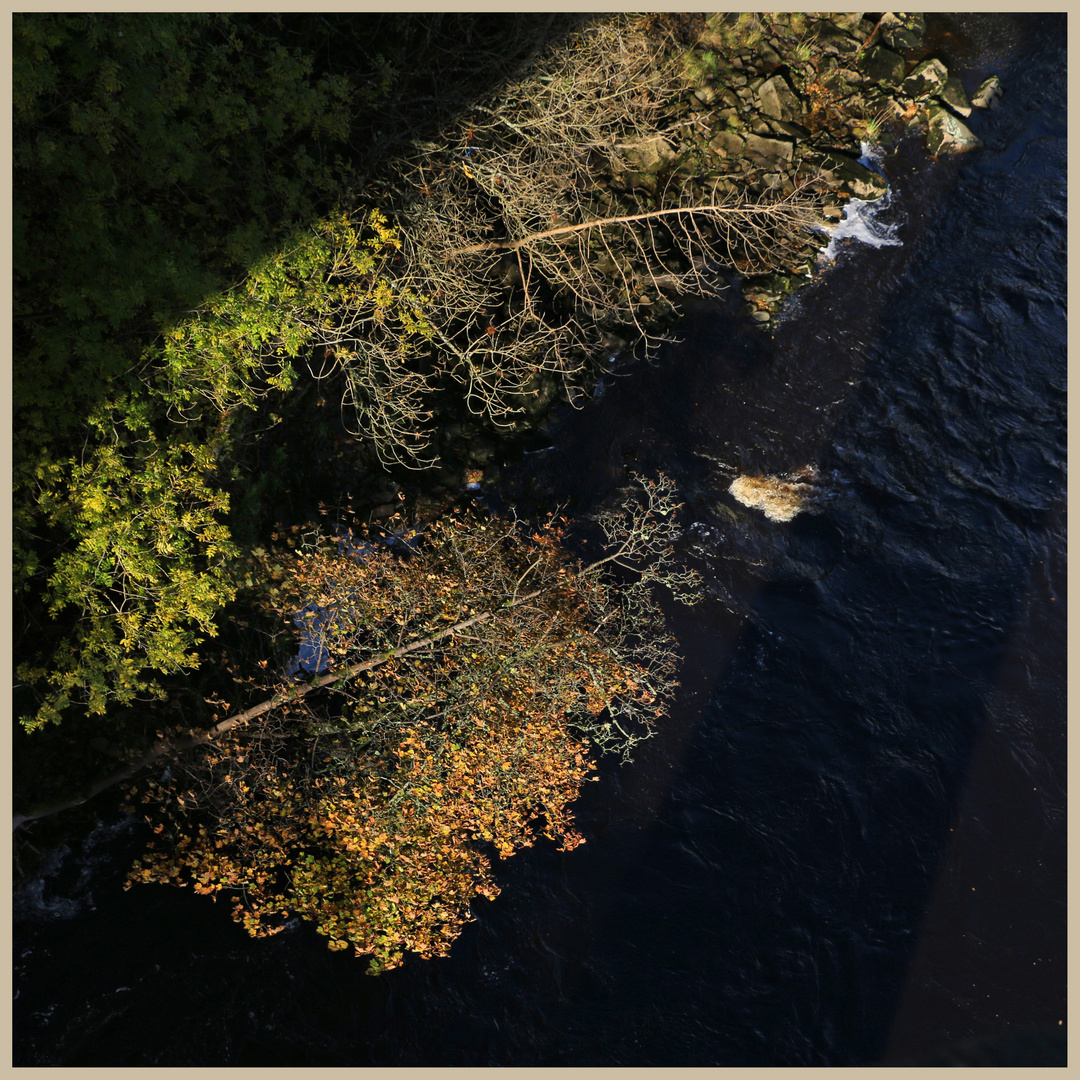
pixel 477 671
pixel 266 263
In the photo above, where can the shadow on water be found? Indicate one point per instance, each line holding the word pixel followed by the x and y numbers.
pixel 847 844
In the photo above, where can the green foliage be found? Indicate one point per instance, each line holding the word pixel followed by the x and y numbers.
pixel 154 156
pixel 145 573
pixel 325 286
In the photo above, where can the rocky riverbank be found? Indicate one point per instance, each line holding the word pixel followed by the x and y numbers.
pixel 757 109
pixel 786 102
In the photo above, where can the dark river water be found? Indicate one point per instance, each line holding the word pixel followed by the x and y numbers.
pixel 847 844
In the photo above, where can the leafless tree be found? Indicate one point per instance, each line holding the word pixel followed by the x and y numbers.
pixel 523 257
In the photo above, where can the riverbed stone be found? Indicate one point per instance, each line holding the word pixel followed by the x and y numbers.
pixel 650 155
pixel 947 134
pixel 986 97
pixel 927 79
pixel 792 131
pixel 836 41
pixel 779 100
pixel 769 152
pixel 884 66
pixel 769 58
pixel 953 95
pixel 849 21
pixel 903 32
pixel 727 144
pixel 853 176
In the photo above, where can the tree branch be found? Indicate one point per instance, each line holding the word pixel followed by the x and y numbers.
pixel 711 208
pixel 165 747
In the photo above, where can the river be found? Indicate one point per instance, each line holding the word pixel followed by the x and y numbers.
pixel 847 844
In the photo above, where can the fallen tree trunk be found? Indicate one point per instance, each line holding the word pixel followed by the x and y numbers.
pixel 630 542
pixel 166 746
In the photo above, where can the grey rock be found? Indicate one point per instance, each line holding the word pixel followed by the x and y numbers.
pixel 769 152
pixel 834 40
pixel 851 21
pixel 853 77
pixel 884 66
pixel 793 131
pixel 928 78
pixel 986 97
pixel 850 175
pixel 778 100
pixel 651 155
pixel 948 135
pixel 727 144
pixel 904 31
pixel 904 39
pixel 952 94
pixel 769 57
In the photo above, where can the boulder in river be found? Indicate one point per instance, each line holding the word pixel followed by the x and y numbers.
pixel 946 134
pixel 952 94
pixel 854 177
pixel 927 79
pixel 986 97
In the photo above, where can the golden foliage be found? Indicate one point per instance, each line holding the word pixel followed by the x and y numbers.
pixel 377 821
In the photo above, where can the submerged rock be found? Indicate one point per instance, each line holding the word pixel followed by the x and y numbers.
pixel 952 94
pixel 946 134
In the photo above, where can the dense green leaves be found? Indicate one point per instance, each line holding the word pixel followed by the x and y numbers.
pixel 146 574
pixel 155 158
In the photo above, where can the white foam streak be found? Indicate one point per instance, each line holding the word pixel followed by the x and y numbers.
pixel 862 220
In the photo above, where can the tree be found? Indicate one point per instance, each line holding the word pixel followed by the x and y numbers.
pixel 554 214
pixel 480 672
pixel 154 157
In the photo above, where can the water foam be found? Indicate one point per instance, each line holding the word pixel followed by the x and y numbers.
pixel 863 221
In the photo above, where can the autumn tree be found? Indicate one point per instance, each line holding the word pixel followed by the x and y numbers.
pixel 474 679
